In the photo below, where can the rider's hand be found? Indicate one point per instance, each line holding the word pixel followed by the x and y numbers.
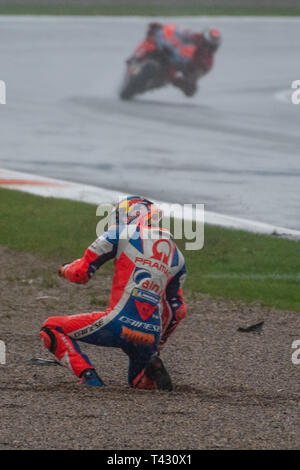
pixel 62 269
pixel 75 271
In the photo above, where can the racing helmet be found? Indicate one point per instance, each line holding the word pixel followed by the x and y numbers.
pixel 134 209
pixel 212 38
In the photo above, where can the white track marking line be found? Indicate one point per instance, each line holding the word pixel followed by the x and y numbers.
pixel 95 195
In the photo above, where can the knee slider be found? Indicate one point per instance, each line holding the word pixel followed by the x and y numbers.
pixel 49 339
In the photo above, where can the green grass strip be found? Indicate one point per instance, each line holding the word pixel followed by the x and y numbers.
pixel 133 9
pixel 233 264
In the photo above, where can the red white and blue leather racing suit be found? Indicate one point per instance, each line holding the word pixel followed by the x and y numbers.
pixel 146 302
pixel 187 52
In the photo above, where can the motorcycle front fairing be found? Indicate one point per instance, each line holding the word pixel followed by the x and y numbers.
pixel 148 68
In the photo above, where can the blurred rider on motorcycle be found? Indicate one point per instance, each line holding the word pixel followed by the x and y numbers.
pixel 191 55
pixel 146 302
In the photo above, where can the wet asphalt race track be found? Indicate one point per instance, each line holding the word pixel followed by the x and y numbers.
pixel 234 146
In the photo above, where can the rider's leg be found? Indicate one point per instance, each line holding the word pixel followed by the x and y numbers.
pixel 59 335
pixel 148 374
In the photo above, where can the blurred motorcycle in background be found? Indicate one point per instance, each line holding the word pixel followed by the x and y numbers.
pixel 147 69
pixel 169 56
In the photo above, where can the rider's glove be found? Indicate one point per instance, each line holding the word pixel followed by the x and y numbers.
pixel 62 269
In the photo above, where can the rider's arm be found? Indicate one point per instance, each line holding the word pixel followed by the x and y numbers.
pixel 174 309
pixel 167 46
pixel 102 250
